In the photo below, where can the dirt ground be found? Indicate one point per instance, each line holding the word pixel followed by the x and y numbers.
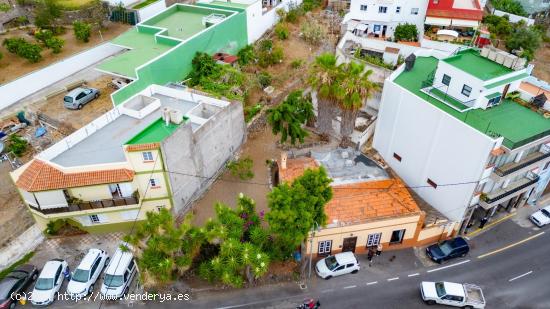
pixel 542 63
pixel 12 66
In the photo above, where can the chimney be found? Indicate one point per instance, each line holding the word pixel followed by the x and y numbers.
pixel 284 157
pixel 409 62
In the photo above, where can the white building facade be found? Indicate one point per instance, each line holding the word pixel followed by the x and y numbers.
pixel 379 18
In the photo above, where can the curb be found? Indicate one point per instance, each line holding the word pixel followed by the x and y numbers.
pixel 488 226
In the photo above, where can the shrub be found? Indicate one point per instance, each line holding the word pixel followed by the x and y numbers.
pixel 17 145
pixel 22 20
pixel 4 7
pixel 310 5
pixel 297 63
pixel 527 39
pixel 509 6
pixel 242 168
pixel 82 31
pixel 53 227
pixel 46 12
pixel 24 49
pixel 294 12
pixel 264 78
pixel 406 32
pixel 281 30
pixel 1 55
pixel 204 66
pixel 312 32
pixel 43 35
pixel 251 111
pixel 246 55
pixel 266 45
pixel 272 57
pixel 12 45
pixel 372 59
pixel 55 44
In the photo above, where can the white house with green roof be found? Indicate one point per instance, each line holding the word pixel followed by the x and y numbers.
pixel 446 127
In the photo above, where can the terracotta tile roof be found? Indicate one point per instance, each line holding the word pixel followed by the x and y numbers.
pixel 392 50
pixel 360 202
pixel 140 147
pixel 417 44
pixel 445 9
pixel 295 168
pixel 533 90
pixel 227 58
pixel 40 176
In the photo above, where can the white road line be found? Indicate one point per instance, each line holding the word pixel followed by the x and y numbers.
pixel 371 283
pixel 327 291
pixel 350 287
pixel 413 275
pixel 520 276
pixel 394 278
pixel 444 267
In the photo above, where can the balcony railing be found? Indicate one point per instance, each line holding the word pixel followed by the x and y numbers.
pixel 512 188
pixel 440 93
pixel 511 167
pixel 100 204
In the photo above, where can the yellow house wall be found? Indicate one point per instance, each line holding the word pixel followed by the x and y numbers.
pixel 99 192
pixel 135 158
pixel 147 192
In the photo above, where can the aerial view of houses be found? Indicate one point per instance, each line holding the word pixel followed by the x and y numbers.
pixel 274 153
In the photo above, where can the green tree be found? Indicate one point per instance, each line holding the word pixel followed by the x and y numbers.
pixel 288 117
pixel 406 32
pixel 498 25
pixel 509 6
pixel 203 66
pixel 527 39
pixel 356 88
pixel 322 77
pixel 295 208
pixel 17 145
pixel 246 55
pixel 55 44
pixel 46 13
pixel 4 7
pixel 82 31
pixel 24 49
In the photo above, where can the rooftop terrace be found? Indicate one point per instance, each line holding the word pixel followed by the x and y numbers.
pixel 471 62
pixel 517 124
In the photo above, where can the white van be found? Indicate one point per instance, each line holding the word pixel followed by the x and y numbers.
pixel 119 275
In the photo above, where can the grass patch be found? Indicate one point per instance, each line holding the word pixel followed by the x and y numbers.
pixel 23 260
pixel 75 4
pixel 143 4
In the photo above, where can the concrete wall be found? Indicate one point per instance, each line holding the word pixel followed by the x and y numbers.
pixel 28 84
pixel 514 18
pixel 459 78
pixel 432 145
pixel 91 193
pixel 21 245
pixel 150 10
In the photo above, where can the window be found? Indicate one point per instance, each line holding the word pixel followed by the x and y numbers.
pixel 154 183
pixel 432 183
pixel 414 11
pixel 398 10
pixel 397 236
pixel 446 80
pixel 94 267
pixel 325 247
pixel 466 90
pixel 131 265
pixel 382 9
pixel 147 156
pixel 363 7
pixel 397 157
pixel 126 276
pixel 494 101
pixel 340 268
pixel 159 208
pixel 350 265
pixel 373 239
pixel 95 219
pixel 546 165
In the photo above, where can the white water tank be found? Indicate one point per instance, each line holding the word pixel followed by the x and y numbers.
pixel 176 116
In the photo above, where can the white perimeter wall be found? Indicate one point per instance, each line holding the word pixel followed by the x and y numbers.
pixel 28 84
pixel 151 9
pixel 432 145
pixel 514 18
pixel 258 22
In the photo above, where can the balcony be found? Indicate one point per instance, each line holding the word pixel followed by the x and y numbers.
pixel 501 194
pixel 99 204
pixel 530 159
pixel 439 93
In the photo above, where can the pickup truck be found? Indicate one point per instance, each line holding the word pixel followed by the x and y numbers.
pixel 452 294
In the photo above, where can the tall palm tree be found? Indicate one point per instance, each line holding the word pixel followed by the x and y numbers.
pixel 323 78
pixel 355 89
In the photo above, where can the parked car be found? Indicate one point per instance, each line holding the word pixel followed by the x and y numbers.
pixel 541 217
pixel 49 282
pixel 79 97
pixel 15 283
pixel 452 294
pixel 336 265
pixel 452 248
pixel 119 274
pixel 85 275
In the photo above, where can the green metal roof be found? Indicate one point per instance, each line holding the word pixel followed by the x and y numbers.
pixel 471 62
pixel 154 133
pixel 517 124
pixel 507 80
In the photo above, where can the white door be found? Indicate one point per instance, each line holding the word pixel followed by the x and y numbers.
pixel 126 189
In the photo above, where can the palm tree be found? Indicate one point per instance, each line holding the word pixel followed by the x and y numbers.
pixel 288 117
pixel 356 88
pixel 323 78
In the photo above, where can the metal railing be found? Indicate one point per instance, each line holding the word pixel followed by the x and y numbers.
pixel 513 189
pixel 509 168
pixel 99 204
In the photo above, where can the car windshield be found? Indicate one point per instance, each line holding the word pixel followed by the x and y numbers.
pixel 331 262
pixel 440 289
pixel 44 284
pixel 113 281
pixel 445 248
pixel 68 99
pixel 81 275
pixel 545 212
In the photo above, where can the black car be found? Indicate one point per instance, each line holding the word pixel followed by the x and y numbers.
pixel 448 249
pixel 16 282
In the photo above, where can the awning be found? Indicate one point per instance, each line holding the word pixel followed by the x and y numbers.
pixel 361 27
pixel 437 21
pixel 448 32
pixel 465 23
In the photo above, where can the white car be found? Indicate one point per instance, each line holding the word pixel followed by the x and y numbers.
pixel 85 275
pixel 541 217
pixel 336 265
pixel 49 282
pixel 452 294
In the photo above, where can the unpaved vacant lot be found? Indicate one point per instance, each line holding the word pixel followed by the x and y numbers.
pixel 542 63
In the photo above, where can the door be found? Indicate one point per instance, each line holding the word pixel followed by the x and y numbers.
pixel 349 244
pixel 340 270
pixel 384 29
pixel 505 91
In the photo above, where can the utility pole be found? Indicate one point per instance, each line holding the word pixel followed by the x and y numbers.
pixel 311 246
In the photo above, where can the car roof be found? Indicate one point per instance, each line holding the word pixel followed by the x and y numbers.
pixel 459 242
pixel 455 289
pixel 75 91
pixel 345 257
pixel 6 284
pixel 119 262
pixel 49 269
pixel 89 259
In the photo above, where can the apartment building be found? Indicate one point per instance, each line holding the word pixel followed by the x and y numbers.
pixel 159 149
pixel 447 128
pixel 379 18
pixel 368 207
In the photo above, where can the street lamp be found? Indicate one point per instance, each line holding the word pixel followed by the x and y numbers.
pixel 315 224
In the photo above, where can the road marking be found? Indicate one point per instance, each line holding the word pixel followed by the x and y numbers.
pixel 350 287
pixel 520 276
pixel 394 278
pixel 327 291
pixel 452 265
pixel 371 283
pixel 413 275
pixel 473 233
pixel 510 246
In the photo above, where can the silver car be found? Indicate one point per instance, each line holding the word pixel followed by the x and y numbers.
pixel 79 97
